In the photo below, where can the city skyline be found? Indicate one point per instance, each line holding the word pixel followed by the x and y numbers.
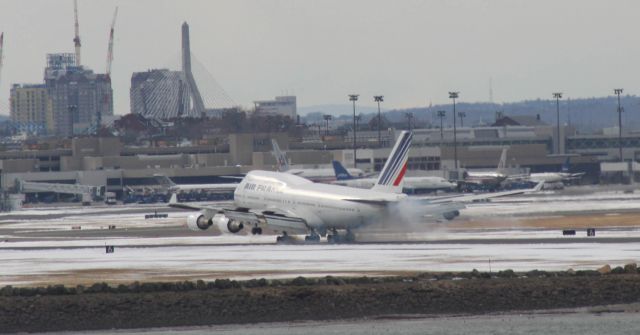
pixel 413 52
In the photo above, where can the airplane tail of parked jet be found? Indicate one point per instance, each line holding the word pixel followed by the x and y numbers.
pixel 281 158
pixel 502 163
pixel 567 165
pixel 164 181
pixel 341 172
pixel 392 174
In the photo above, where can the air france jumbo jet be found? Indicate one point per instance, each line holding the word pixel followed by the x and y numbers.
pixel 289 204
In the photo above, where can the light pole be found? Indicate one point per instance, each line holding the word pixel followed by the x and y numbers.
pixel 618 91
pixel 558 96
pixel 454 96
pixel 326 117
pixel 409 117
pixel 379 99
pixel 442 115
pixel 462 115
pixel 354 98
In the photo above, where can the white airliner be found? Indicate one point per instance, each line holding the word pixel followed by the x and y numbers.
pixel 411 184
pixel 316 175
pixel 290 204
pixel 489 178
pixel 556 177
pixel 172 187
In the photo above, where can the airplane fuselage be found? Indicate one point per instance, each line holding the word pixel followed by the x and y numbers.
pixel 323 206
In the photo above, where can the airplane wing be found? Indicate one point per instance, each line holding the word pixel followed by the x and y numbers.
pixel 483 196
pixel 273 217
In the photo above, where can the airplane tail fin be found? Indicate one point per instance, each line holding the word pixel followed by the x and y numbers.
pixel 164 180
pixel 392 174
pixel 281 158
pixel 502 164
pixel 340 171
pixel 567 165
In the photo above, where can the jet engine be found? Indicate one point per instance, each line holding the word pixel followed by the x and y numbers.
pixel 234 226
pixel 198 222
pixel 451 215
pixel 227 225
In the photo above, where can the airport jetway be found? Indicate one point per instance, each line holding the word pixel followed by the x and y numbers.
pixel 88 192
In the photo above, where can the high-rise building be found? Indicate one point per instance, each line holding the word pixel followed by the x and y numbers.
pixel 165 94
pixel 159 94
pixel 79 97
pixel 30 108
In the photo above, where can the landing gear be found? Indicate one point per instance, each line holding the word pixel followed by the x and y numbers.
pixel 335 237
pixel 285 238
pixel 256 231
pixel 313 238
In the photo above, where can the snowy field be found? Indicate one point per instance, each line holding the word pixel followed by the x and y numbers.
pixel 45 246
pixel 72 266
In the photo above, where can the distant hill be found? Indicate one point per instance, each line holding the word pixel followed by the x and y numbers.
pixel 588 115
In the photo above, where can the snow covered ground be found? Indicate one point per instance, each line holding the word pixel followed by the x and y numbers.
pixel 276 261
pixel 38 251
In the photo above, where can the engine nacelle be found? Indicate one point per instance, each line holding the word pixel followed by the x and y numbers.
pixel 234 226
pixel 198 222
pixel 451 215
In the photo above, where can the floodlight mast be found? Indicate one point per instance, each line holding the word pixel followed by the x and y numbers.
pixel 618 91
pixel 454 96
pixel 379 99
pixel 353 98
pixel 557 96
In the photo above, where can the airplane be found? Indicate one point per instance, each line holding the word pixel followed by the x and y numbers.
pixel 172 187
pixel 489 178
pixel 316 175
pixel 411 184
pixel 556 177
pixel 290 204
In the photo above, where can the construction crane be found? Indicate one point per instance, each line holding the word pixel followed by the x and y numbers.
pixel 76 40
pixel 110 49
pixel 1 48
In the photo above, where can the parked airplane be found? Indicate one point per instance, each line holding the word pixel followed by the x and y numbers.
pixel 172 187
pixel 290 204
pixel 411 184
pixel 489 178
pixel 556 177
pixel 316 175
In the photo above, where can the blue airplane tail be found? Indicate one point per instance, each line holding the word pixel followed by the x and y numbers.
pixel 567 165
pixel 341 172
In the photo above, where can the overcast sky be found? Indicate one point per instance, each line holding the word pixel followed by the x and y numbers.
pixel 411 51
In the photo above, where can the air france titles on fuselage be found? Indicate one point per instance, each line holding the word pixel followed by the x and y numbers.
pixel 260 187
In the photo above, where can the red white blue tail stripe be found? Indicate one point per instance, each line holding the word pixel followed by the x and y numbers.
pixel 390 179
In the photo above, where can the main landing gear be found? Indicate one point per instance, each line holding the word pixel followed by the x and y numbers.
pixel 335 237
pixel 284 238
pixel 312 238
pixel 256 231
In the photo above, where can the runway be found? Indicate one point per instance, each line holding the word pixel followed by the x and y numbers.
pixel 67 245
